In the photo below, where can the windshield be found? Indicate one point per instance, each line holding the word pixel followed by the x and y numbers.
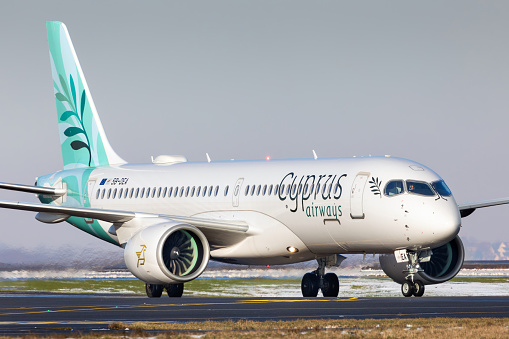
pixel 418 187
pixel 441 188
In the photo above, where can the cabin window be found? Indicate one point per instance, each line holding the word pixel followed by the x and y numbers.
pixel 164 192
pixel 120 193
pixel 131 191
pixel 114 193
pixel 137 192
pixel 253 189
pixel 97 194
pixel 181 191
pixel 154 192
pixel 217 190
pixel 198 191
pixel 226 190
pixel 192 191
pixel 258 189
pixel 276 189
pixel 142 192
pixel 441 188
pixel 204 191
pixel 187 191
pixel 210 190
pixel 394 187
pixel 419 187
pixel 270 190
pixel 247 190
pixel 109 193
pixel 264 190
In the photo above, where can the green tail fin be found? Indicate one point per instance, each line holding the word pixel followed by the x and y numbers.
pixel 82 137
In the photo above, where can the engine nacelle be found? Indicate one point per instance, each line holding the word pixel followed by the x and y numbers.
pixel 167 253
pixel 445 263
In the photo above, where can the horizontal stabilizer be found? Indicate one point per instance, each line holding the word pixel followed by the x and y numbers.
pixel 91 213
pixel 469 208
pixel 33 189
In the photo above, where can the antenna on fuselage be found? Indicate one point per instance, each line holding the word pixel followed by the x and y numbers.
pixel 314 155
pixel 208 158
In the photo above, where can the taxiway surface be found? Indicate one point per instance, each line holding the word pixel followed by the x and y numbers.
pixel 41 313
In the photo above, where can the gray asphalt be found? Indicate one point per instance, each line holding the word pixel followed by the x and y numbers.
pixel 43 314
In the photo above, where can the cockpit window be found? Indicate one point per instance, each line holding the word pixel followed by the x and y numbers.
pixel 418 187
pixel 441 188
pixel 394 187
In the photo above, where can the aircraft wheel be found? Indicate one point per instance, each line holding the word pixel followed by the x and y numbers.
pixel 175 290
pixel 418 288
pixel 407 289
pixel 330 286
pixel 310 284
pixel 154 291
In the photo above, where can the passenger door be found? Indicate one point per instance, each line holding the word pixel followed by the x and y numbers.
pixel 356 195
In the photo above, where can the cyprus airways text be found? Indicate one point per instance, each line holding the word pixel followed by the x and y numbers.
pixel 310 186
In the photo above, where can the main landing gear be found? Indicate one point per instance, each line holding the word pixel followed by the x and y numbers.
pixel 173 290
pixel 318 280
pixel 413 287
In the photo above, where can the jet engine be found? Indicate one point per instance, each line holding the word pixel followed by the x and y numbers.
pixel 167 253
pixel 444 264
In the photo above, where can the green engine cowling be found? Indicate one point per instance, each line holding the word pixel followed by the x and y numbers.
pixel 445 262
pixel 167 253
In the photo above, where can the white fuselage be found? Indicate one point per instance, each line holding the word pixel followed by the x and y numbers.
pixel 278 199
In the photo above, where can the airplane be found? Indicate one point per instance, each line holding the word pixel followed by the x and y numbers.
pixel 172 216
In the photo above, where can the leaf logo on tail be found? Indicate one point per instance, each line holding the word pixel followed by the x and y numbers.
pixel 73 131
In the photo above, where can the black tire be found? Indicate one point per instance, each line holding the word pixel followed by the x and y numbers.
pixel 330 286
pixel 418 288
pixel 154 291
pixel 407 289
pixel 310 284
pixel 175 290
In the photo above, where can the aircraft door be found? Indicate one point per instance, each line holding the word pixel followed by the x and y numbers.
pixel 356 195
pixel 88 197
pixel 236 192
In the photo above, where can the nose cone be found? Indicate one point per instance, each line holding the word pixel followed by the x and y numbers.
pixel 447 221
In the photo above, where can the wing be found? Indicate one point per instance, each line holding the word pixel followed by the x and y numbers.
pixel 219 233
pixel 469 208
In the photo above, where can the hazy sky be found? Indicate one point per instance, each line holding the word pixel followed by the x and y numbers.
pixel 428 81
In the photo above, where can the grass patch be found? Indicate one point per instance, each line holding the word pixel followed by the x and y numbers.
pixel 368 328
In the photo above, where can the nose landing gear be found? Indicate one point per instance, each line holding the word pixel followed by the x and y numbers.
pixel 318 280
pixel 410 286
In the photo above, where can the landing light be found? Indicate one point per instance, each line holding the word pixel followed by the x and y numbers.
pixel 267 157
pixel 292 249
